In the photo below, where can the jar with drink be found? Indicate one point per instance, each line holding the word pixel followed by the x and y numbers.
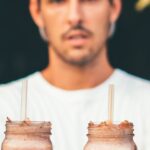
pixel 27 136
pixel 106 136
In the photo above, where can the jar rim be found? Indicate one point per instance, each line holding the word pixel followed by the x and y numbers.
pixel 34 127
pixel 31 123
pixel 105 129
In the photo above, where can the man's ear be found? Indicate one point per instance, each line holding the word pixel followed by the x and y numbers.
pixel 116 10
pixel 35 13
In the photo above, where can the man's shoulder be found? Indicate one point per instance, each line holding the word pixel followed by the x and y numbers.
pixel 133 83
pixel 14 87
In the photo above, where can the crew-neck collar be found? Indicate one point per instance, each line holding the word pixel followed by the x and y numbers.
pixel 47 87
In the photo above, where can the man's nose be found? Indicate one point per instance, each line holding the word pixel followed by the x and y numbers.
pixel 74 14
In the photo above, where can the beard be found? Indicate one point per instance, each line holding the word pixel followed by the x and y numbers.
pixel 78 62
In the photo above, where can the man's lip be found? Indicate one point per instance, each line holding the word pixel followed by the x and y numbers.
pixel 77 38
pixel 77 42
pixel 76 35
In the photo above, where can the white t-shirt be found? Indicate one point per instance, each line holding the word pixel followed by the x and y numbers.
pixel 71 111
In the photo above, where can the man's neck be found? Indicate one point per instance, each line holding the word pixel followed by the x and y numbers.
pixel 71 77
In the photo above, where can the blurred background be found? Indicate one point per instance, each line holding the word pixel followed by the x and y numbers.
pixel 22 51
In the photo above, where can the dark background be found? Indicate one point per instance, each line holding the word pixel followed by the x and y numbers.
pixel 22 51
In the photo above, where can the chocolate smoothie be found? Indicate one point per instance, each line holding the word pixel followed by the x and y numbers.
pixel 27 135
pixel 106 136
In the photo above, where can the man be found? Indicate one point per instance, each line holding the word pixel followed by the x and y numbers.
pixel 72 90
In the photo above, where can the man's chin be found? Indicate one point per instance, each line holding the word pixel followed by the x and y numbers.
pixel 76 56
pixel 80 62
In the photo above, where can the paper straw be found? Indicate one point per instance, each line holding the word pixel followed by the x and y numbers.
pixel 111 103
pixel 24 100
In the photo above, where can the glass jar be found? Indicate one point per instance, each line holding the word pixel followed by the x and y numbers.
pixel 27 136
pixel 107 136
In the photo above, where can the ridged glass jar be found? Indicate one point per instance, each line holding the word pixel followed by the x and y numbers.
pixel 27 136
pixel 106 136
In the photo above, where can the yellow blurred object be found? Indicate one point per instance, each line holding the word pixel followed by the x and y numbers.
pixel 141 4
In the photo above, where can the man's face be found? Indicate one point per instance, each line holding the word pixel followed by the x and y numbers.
pixel 77 30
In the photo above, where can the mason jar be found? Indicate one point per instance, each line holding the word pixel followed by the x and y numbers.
pixel 27 136
pixel 106 136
